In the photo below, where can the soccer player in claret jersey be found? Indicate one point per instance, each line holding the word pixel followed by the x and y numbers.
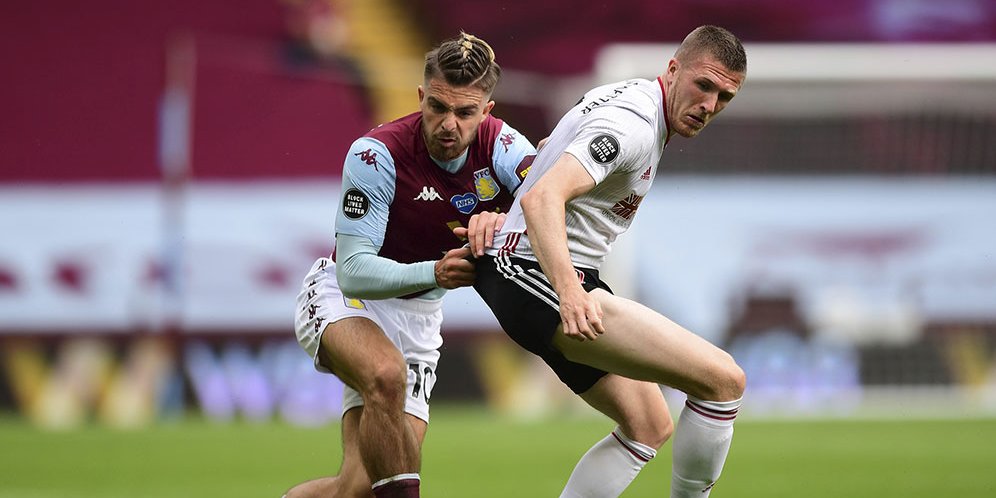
pixel 371 312
pixel 541 275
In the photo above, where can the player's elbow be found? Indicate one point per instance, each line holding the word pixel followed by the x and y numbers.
pixel 533 201
pixel 360 291
pixel 347 284
pixel 348 275
pixel 528 201
pixel 352 290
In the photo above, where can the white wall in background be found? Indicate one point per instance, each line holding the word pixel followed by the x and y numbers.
pixel 878 255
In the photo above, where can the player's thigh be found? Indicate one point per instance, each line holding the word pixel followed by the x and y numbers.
pixel 637 406
pixel 642 344
pixel 356 350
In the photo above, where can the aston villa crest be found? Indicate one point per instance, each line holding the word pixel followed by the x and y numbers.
pixel 487 187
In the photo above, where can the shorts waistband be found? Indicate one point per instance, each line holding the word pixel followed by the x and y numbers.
pixel 425 306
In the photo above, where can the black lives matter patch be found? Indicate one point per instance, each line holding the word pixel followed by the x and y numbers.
pixel 603 148
pixel 355 204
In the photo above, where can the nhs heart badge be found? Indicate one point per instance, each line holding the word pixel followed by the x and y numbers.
pixel 465 203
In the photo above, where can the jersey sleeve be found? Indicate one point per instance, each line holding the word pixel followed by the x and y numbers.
pixel 612 139
pixel 363 274
pixel 368 180
pixel 512 157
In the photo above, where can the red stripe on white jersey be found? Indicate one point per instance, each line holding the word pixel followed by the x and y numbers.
pixel 510 243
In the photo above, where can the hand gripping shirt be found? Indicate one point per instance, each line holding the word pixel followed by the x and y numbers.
pixel 618 133
pixel 396 196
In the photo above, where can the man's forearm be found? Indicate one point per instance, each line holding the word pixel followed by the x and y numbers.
pixel 373 277
pixel 363 274
pixel 547 232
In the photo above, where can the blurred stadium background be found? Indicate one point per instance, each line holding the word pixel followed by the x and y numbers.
pixel 170 169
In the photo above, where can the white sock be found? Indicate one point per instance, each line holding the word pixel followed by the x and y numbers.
pixel 608 467
pixel 701 443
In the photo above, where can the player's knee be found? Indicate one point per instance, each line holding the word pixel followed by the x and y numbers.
pixel 731 381
pixel 740 382
pixel 652 431
pixel 386 384
pixel 660 431
pixel 725 381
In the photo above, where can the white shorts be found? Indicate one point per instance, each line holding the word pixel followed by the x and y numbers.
pixel 412 325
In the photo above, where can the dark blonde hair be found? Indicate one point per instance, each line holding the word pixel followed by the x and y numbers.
pixel 464 61
pixel 722 44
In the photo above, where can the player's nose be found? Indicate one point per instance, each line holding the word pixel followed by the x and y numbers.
pixel 449 122
pixel 710 103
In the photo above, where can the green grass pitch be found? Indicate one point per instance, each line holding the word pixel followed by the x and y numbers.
pixel 472 453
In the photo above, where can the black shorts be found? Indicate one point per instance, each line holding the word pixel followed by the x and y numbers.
pixel 528 310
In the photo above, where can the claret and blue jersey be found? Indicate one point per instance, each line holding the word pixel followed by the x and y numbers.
pixel 405 203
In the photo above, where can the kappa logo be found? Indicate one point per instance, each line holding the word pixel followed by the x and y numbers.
pixel 507 140
pixel 428 194
pixel 368 156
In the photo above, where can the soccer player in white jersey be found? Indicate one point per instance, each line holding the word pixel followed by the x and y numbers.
pixel 540 277
pixel 371 313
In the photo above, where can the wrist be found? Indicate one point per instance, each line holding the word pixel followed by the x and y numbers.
pixel 567 286
pixel 426 273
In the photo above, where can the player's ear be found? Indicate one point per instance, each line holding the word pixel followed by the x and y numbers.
pixel 672 67
pixel 487 107
pixel 672 70
pixel 421 94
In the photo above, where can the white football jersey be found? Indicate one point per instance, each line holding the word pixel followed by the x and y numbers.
pixel 618 133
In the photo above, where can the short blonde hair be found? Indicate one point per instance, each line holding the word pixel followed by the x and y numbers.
pixel 719 42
